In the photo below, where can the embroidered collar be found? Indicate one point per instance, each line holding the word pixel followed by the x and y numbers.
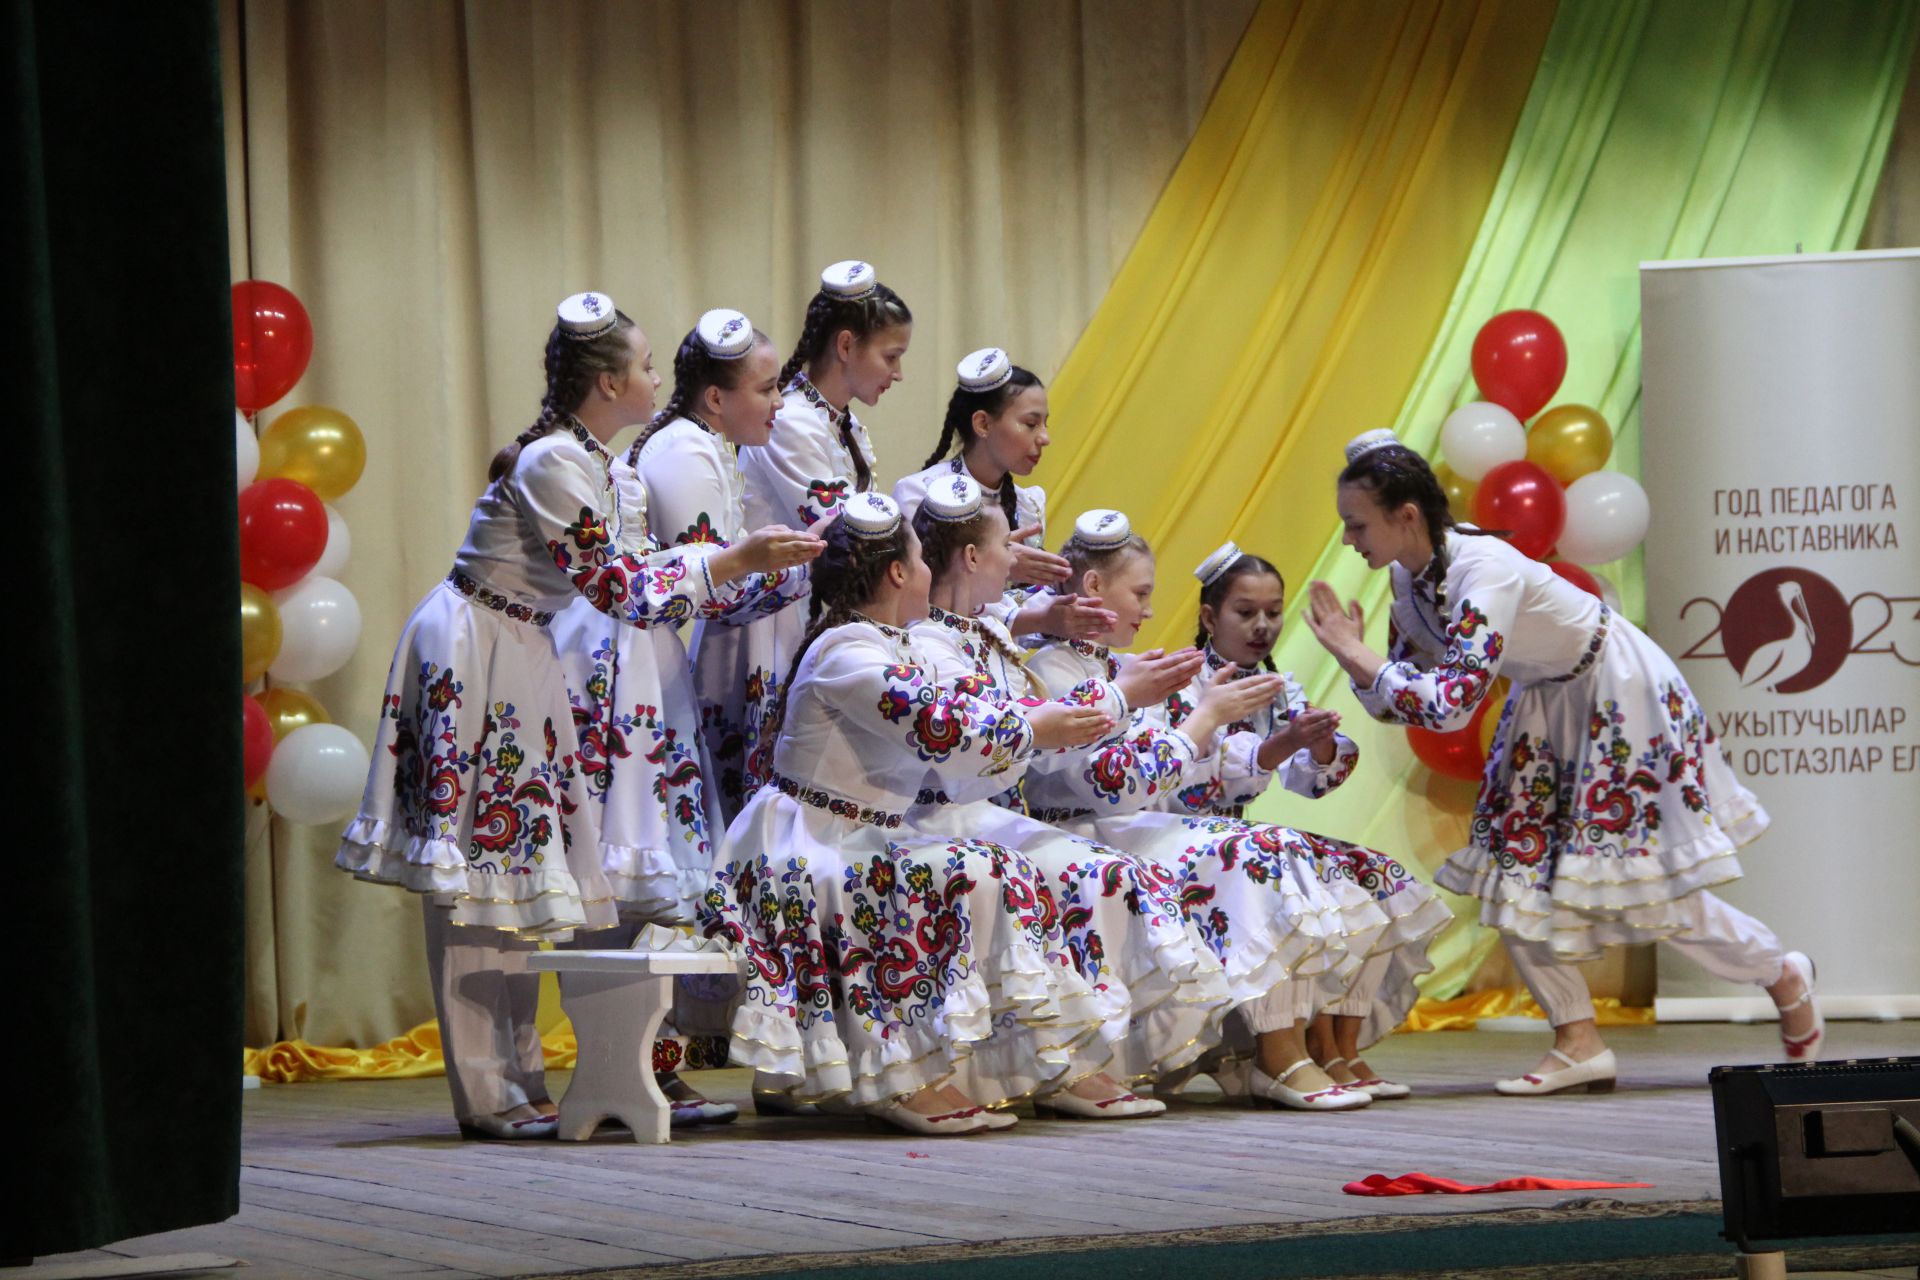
pixel 588 439
pixel 1088 649
pixel 835 416
pixel 949 619
pixel 885 629
pixel 1215 661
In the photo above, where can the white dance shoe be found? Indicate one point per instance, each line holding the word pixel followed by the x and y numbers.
pixel 953 1124
pixel 501 1129
pixel 1375 1087
pixel 1125 1106
pixel 1805 1048
pixel 1596 1074
pixel 683 1112
pixel 1274 1091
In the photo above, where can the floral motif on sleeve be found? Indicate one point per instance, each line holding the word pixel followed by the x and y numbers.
pixel 701 531
pixel 823 497
pixel 1442 694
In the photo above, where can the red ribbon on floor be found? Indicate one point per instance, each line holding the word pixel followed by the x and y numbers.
pixel 1420 1184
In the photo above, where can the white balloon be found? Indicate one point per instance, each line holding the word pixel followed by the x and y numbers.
pixel 319 627
pixel 333 561
pixel 1477 437
pixel 1606 518
pixel 246 449
pixel 317 774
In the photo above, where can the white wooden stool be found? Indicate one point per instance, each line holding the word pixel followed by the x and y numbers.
pixel 616 1000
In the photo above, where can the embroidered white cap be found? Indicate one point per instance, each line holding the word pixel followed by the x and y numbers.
pixel 1102 527
pixel 726 334
pixel 985 369
pixel 1224 557
pixel 871 515
pixel 587 315
pixel 1367 441
pixel 851 280
pixel 954 498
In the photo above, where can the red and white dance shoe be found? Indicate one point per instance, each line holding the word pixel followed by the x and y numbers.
pixel 1805 1048
pixel 1274 1091
pixel 1123 1106
pixel 1597 1074
pixel 500 1129
pixel 1376 1087
pixel 687 1107
pixel 952 1124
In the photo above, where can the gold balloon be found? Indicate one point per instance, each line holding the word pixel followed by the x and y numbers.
pixel 289 709
pixel 1569 441
pixel 259 632
pixel 1459 491
pixel 318 446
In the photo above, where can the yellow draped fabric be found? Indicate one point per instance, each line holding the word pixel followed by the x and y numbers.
pixel 1285 290
pixel 417 1053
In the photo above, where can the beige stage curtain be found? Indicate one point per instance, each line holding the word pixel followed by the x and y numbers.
pixel 431 177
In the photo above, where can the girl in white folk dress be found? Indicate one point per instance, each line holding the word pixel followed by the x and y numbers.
pixel 920 977
pixel 639 728
pixel 997 420
pixel 817 456
pixel 1165 990
pixel 1252 890
pixel 1242 602
pixel 1607 811
pixel 476 798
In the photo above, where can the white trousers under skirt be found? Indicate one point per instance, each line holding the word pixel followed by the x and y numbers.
pixel 486 999
pixel 1721 939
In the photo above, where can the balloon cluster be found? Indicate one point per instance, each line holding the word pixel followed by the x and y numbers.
pixel 297 622
pixel 1541 485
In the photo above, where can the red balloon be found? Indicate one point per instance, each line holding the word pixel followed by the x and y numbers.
pixel 283 530
pixel 1520 498
pixel 257 733
pixel 1578 577
pixel 1454 754
pixel 1519 359
pixel 272 342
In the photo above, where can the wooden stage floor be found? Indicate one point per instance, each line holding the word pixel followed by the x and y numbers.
pixel 369 1178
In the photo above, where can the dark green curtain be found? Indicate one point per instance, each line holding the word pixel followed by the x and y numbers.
pixel 119 422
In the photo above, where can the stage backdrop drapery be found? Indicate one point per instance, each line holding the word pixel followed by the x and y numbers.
pixel 126 672
pixel 430 177
pixel 1651 131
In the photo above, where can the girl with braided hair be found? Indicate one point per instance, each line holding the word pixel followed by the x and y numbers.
pixel 1242 601
pixel 920 977
pixel 1253 890
pixel 816 457
pixel 996 429
pixel 477 797
pixel 1165 990
pixel 1607 811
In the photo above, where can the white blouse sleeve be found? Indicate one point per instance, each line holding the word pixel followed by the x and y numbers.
pixel 903 708
pixel 560 497
pixel 1484 594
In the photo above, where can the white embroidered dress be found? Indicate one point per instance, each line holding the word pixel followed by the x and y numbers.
pixel 1251 889
pixel 477 792
pixel 639 727
pixel 1231 779
pixel 1606 801
pixel 885 958
pixel 805 471
pixel 1164 989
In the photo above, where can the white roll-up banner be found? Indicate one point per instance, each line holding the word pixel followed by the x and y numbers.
pixel 1781 456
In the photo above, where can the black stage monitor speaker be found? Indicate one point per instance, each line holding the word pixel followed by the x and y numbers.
pixel 1818 1148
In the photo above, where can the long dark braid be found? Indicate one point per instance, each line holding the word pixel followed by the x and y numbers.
pixel 846 575
pixel 572 364
pixel 827 314
pixel 1214 594
pixel 694 370
pixel 957 427
pixel 1394 475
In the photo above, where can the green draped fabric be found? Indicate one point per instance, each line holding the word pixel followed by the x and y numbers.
pixel 126 867
pixel 1652 131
